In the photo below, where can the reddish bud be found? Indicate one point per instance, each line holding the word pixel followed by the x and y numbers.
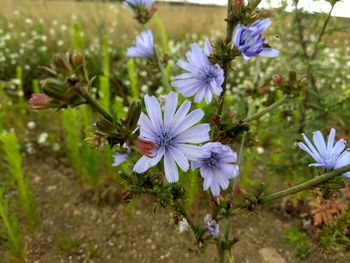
pixel 278 80
pixel 239 190
pixel 264 90
pixel 39 101
pixel 127 196
pixel 216 119
pixel 152 9
pixel 144 147
pixel 231 114
pixel 237 6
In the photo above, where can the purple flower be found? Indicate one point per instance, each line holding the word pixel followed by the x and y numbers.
pixel 171 135
pixel 250 41
pixel 330 156
pixel 203 78
pixel 139 3
pixel 216 166
pixel 119 158
pixel 144 46
pixel 212 226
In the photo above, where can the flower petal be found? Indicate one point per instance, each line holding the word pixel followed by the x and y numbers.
pixel 191 119
pixel 179 158
pixel 195 134
pixel 269 52
pixel 154 112
pixel 170 107
pixel 171 172
pixel 331 138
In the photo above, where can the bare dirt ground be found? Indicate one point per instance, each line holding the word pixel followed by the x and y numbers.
pixel 80 225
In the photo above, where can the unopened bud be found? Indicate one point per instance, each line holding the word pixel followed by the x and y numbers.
pixel 144 147
pixel 216 119
pixel 127 196
pixel 133 114
pixel 278 80
pixel 239 190
pixel 237 6
pixel 62 64
pixel 292 78
pixel 264 90
pixel 54 88
pixel 104 125
pixel 40 101
pixel 76 59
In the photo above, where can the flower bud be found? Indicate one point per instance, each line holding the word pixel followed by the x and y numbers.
pixel 237 6
pixel 76 59
pixel 278 80
pixel 39 101
pixel 133 114
pixel 264 90
pixel 54 88
pixel 292 78
pixel 104 125
pixel 144 147
pixel 216 119
pixel 62 64
pixel 239 190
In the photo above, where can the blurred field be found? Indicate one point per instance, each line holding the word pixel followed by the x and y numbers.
pixel 98 18
pixel 113 18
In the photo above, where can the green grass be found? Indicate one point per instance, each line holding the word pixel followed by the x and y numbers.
pixel 13 162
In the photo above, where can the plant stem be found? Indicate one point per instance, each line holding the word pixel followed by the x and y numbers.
pixel 180 209
pixel 266 110
pixel 304 186
pixel 162 70
pixel 91 101
pixel 229 33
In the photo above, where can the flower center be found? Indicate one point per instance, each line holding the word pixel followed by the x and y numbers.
pixel 213 160
pixel 329 161
pixel 206 74
pixel 165 136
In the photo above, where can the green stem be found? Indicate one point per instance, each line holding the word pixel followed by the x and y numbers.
pixel 266 110
pixel 304 186
pixel 162 70
pixel 180 209
pixel 91 101
pixel 229 33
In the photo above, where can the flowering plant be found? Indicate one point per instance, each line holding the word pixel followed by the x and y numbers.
pixel 170 136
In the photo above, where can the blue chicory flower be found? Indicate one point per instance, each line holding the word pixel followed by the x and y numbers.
pixel 203 79
pixel 250 41
pixel 119 158
pixel 139 3
pixel 212 226
pixel 216 166
pixel 173 136
pixel 330 156
pixel 144 46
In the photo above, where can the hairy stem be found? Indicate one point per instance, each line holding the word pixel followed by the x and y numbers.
pixel 304 186
pixel 229 32
pixel 93 103
pixel 162 71
pixel 180 209
pixel 266 110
